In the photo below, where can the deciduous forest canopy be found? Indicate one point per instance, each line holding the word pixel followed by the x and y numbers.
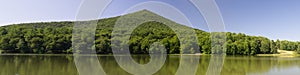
pixel 56 38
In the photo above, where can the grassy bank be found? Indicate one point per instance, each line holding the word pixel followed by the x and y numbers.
pixel 281 53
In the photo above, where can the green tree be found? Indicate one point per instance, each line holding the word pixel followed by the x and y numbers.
pixel 265 46
pixel 22 46
pixel 298 49
pixel 273 47
pixel 35 45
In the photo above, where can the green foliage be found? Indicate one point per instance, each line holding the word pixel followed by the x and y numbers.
pixel 298 49
pixel 273 47
pixel 56 37
pixel 288 45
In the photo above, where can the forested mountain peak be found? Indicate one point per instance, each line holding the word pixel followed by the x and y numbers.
pixel 144 11
pixel 56 37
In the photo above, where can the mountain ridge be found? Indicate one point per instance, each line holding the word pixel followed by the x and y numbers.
pixel 55 37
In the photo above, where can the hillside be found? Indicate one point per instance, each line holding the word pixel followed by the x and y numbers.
pixel 55 37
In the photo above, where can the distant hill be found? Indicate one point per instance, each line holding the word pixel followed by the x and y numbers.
pixel 56 37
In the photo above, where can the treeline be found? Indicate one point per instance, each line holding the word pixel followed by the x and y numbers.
pixel 36 38
pixel 56 37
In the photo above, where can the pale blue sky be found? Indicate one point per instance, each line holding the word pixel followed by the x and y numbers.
pixel 275 19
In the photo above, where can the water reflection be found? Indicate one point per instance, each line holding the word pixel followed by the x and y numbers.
pixel 36 65
pixel 64 65
pixel 257 65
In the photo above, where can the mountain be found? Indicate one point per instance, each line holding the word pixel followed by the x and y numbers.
pixel 56 37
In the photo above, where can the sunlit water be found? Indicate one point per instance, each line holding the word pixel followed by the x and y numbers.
pixel 64 65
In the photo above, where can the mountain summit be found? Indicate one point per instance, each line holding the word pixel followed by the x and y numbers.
pixel 56 37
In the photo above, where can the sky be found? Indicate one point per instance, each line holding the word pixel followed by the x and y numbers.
pixel 275 19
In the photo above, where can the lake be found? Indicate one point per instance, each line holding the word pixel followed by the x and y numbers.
pixel 64 65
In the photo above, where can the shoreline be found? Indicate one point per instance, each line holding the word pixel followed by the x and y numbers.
pixel 281 53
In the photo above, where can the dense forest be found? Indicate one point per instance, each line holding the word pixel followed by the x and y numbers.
pixel 56 37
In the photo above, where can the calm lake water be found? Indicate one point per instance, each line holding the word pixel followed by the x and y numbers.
pixel 64 65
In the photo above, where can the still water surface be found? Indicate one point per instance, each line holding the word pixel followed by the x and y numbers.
pixel 64 65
